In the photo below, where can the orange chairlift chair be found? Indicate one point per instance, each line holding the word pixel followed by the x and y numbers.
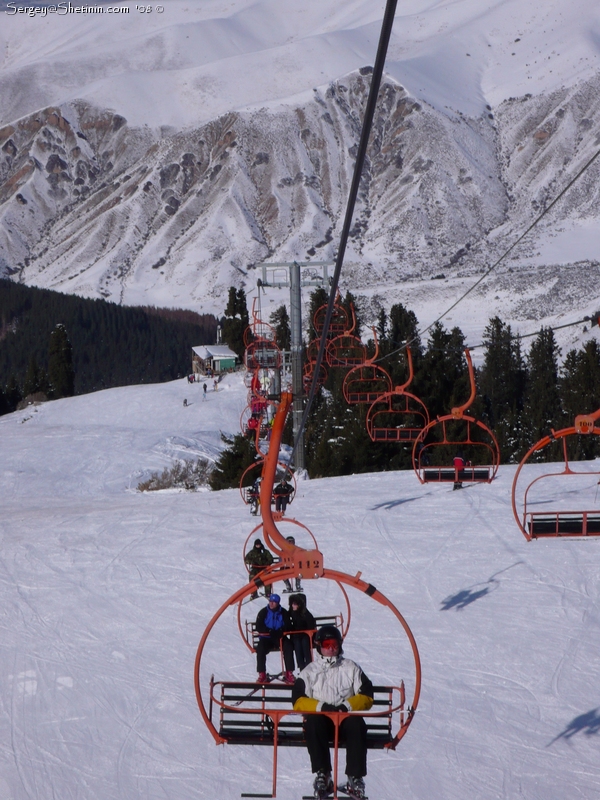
pixel 247 629
pixel 452 434
pixel 247 480
pixel 554 515
pixel 397 415
pixel 366 382
pixel 345 349
pixel 340 321
pixel 247 713
pixel 258 329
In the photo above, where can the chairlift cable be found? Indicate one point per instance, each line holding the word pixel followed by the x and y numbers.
pixel 384 38
pixel 501 258
pixel 516 242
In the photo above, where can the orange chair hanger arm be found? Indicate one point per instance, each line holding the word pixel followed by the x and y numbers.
pixel 458 412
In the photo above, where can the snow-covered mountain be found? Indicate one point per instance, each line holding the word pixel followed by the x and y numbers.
pixel 105 593
pixel 157 158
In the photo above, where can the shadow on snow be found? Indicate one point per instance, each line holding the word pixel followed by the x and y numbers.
pixel 465 597
pixel 389 504
pixel 588 724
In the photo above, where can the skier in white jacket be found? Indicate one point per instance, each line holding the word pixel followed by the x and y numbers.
pixel 334 683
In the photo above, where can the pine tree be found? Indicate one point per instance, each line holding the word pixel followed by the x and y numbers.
pixel 281 322
pixel 236 320
pixel 13 394
pixel 230 465
pixel 36 379
pixel 542 410
pixel 381 329
pixel 502 383
pixel 442 381
pixel 403 329
pixel 318 298
pixel 4 406
pixel 580 393
pixel 60 363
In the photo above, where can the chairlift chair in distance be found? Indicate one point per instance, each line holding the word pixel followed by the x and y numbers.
pixel 258 329
pixel 554 516
pixel 339 323
pixel 397 415
pixel 366 382
pixel 445 437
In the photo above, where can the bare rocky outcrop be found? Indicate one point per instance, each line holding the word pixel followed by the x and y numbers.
pixel 93 206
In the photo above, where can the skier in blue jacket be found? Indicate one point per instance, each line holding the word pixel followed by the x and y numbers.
pixel 272 623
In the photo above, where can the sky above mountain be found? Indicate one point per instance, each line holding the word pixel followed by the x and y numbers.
pixel 195 61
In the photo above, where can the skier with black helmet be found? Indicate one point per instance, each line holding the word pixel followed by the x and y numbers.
pixel 334 683
pixel 257 559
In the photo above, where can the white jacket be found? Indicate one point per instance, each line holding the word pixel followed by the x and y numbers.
pixel 337 681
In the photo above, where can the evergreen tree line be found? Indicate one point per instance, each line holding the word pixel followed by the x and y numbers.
pixel 520 397
pixel 62 345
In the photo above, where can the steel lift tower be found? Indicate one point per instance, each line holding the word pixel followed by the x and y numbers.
pixel 296 274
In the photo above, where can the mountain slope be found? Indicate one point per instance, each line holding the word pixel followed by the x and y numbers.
pixel 158 196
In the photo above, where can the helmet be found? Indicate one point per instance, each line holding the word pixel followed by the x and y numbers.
pixel 327 632
pixel 258 543
pixel 290 539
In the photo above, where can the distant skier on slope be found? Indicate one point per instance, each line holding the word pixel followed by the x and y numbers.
pixel 459 464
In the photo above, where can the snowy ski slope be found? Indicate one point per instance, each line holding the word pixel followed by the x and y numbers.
pixel 105 593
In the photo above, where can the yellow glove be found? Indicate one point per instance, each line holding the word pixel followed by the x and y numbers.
pixel 306 704
pixel 360 702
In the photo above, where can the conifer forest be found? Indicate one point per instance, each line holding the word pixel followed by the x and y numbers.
pixel 59 345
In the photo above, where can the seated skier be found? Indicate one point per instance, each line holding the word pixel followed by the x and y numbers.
pixel 282 493
pixel 301 620
pixel 272 622
pixel 257 559
pixel 334 683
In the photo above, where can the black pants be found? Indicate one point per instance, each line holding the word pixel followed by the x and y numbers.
pixel 319 731
pixel 267 645
pixel 281 503
pixel 302 649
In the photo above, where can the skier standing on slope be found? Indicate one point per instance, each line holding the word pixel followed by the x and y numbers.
pixel 459 465
pixel 334 683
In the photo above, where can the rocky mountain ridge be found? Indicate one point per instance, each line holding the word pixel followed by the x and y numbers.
pixel 93 206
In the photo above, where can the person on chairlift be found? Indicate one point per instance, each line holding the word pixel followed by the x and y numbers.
pixel 287 581
pixel 301 620
pixel 257 559
pixel 282 493
pixel 272 623
pixel 334 683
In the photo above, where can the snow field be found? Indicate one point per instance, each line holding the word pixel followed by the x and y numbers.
pixel 105 593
